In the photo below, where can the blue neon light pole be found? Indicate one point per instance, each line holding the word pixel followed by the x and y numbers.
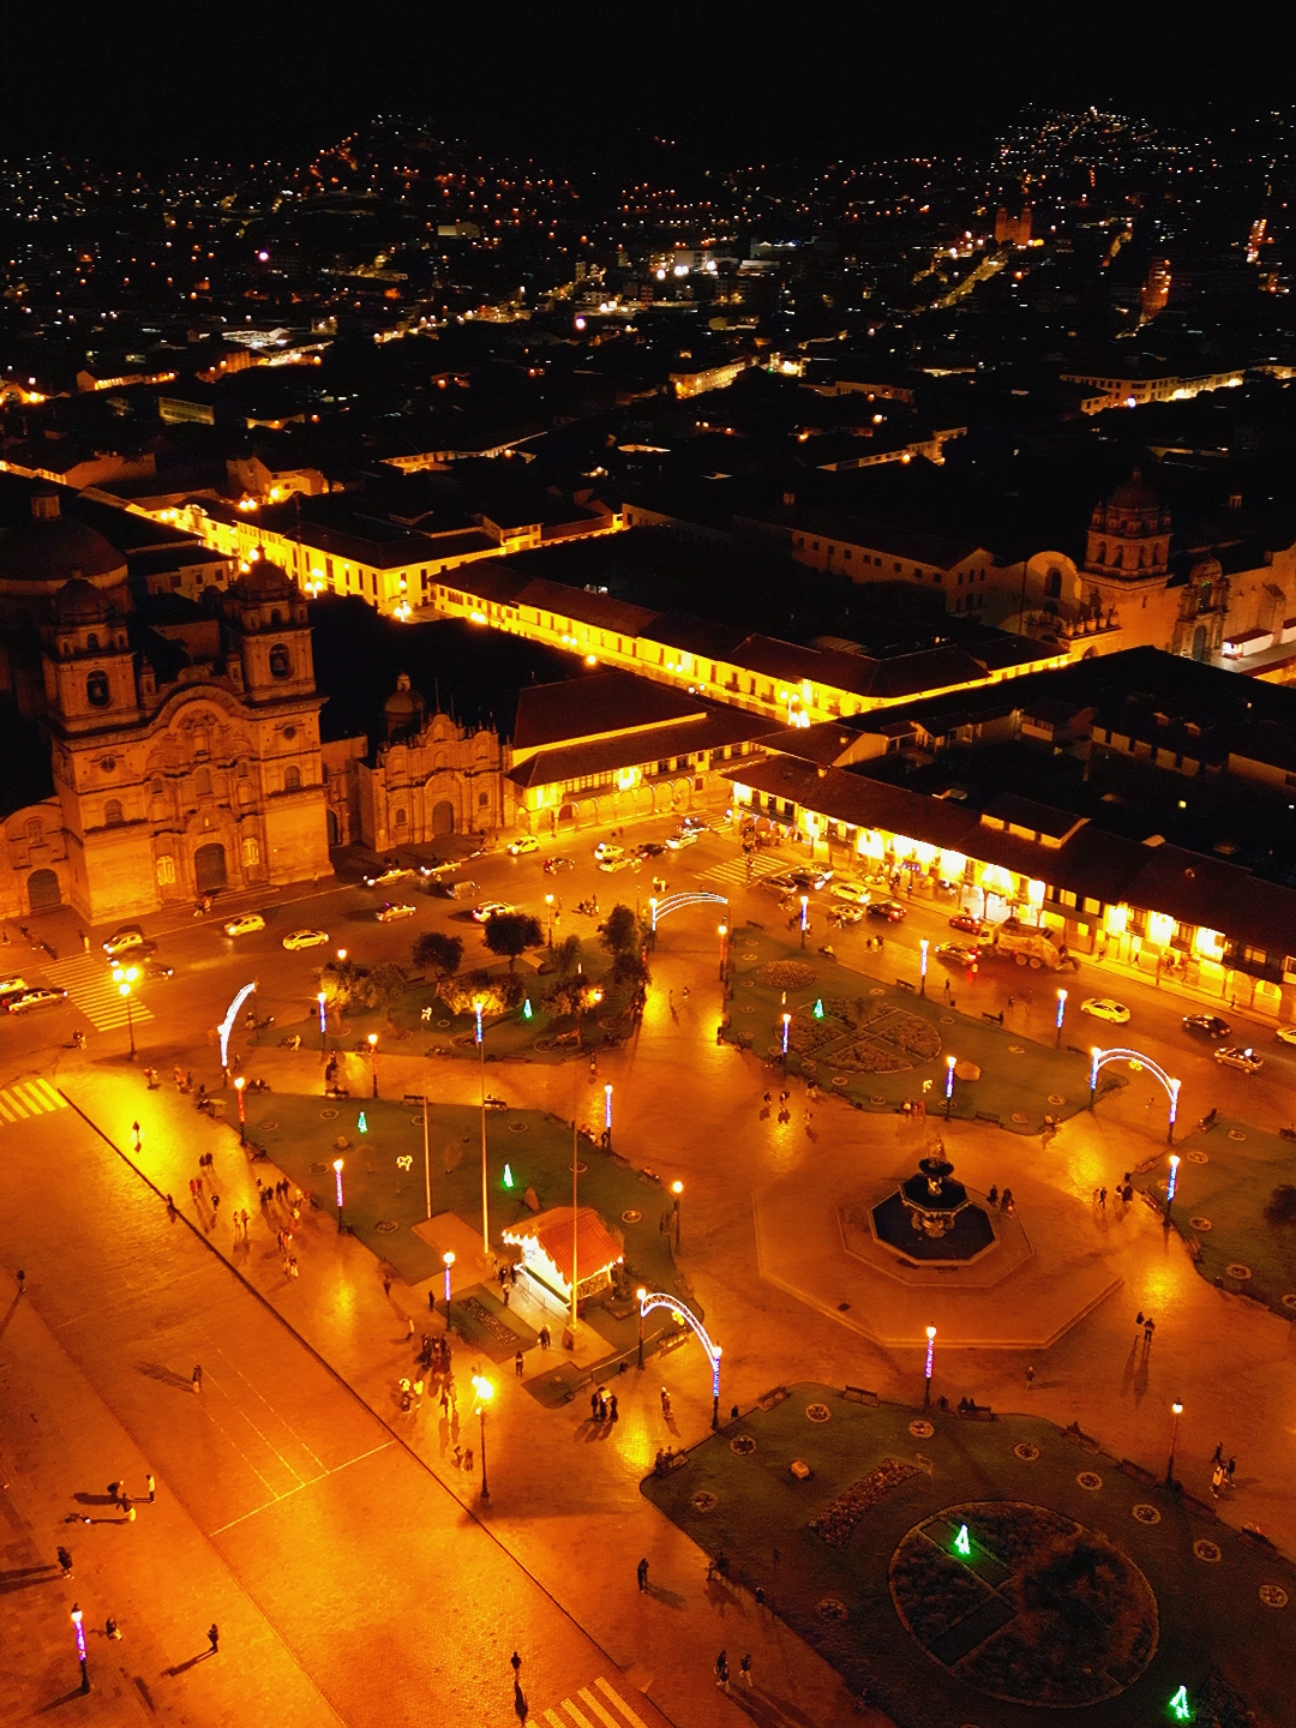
pixel 1061 1016
pixel 949 1086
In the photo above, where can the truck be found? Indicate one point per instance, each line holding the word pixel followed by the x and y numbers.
pixel 1030 945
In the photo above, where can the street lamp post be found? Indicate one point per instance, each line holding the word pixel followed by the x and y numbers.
pixel 1171 1185
pixel 805 917
pixel 322 1000
pixel 79 1633
pixel 715 1390
pixel 448 1260
pixel 337 1176
pixel 1177 1411
pixel 1061 1016
pixel 607 1115
pixel 927 1370
pixel 641 1296
pixel 724 950
pixel 427 1165
pixel 677 1188
pixel 124 977
pixel 485 1392
pixel 372 1042
pixel 481 1068
pixel 949 1086
pixel 922 967
pixel 787 1027
pixel 549 903
pixel 239 1083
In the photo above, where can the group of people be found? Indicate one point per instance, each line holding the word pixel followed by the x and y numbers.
pixel 1221 1473
pixel 603 1407
pixel 1004 1202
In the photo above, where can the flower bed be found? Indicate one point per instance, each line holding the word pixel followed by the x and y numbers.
pixel 936 1590
pixel 835 1525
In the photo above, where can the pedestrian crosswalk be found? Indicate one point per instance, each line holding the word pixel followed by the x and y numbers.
pixel 29 1098
pixel 744 869
pixel 594 1706
pixel 88 980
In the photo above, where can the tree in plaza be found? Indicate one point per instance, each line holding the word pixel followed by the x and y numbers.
pixel 508 933
pixel 629 972
pixel 348 984
pixel 620 934
pixel 437 953
pixel 567 954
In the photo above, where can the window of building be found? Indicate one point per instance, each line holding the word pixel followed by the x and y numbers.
pixel 242 770
pixel 251 850
pixel 203 783
pixel 483 799
pixel 35 831
pixel 280 661
pixel 113 813
pixel 401 819
pixel 276 619
pixel 292 779
pixel 1092 906
pixel 97 694
pixel 166 870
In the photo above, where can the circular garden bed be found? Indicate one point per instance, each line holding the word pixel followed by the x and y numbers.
pixel 1025 1604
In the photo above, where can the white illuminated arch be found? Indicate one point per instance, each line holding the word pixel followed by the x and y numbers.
pixel 660 909
pixel 227 1024
pixel 659 1299
pixel 1099 1059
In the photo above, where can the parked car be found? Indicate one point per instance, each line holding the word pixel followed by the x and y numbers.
pixel 393 910
pixel 957 954
pixel 393 873
pixel 1287 1034
pixel 605 851
pixel 305 939
pixel 491 909
pixel 1105 1008
pixel 245 924
pixel 891 910
pixel 26 1000
pixel 855 892
pixel 1206 1025
pixel 12 987
pixel 524 843
pixel 553 865
pixel 969 925
pixel 1234 1056
pixel 121 941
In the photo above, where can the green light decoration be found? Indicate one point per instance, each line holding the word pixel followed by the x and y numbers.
pixel 526 1008
pixel 1179 1706
pixel 508 1177
pixel 361 1124
pixel 963 1543
pixel 818 1009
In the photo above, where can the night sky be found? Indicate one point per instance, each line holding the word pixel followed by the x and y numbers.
pixel 140 82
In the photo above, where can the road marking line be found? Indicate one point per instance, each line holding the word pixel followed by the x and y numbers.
pixel 574 1713
pixel 4 1109
pixel 619 1701
pixel 57 1100
pixel 554 1721
pixel 15 1104
pixel 29 1092
pixel 587 1698
pixel 310 1482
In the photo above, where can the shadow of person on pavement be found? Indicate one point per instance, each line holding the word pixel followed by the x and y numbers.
pixel 167 1376
pixel 84 1499
pixel 720 1596
pixel 668 1598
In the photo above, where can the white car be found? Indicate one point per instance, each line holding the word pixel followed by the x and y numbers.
pixel 305 939
pixel 245 924
pixel 855 892
pixel 525 843
pixel 29 999
pixel 393 873
pixel 491 909
pixel 1105 1008
pixel 393 910
pixel 1233 1056
pixel 12 987
pixel 1287 1034
pixel 605 852
pixel 129 936
pixel 686 837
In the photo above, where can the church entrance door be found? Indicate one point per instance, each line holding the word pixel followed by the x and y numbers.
pixel 43 890
pixel 443 817
pixel 209 867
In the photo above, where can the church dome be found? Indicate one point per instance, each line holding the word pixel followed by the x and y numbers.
pixel 266 581
pixel 401 704
pixel 80 602
pixel 40 555
pixel 1134 495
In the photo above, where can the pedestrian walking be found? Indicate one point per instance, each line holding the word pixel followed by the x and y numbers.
pixel 196 1377
pixel 111 1628
pixel 386 1285
pixel 1149 1327
pixel 409 1327
pixel 1217 1481
pixel 545 1338
pixel 294 1270
pixel 1229 1468
pixel 665 1403
pixel 1006 1204
pixel 1217 1456
pixel 594 1406
pixel 505 1292
pixel 213 1637
pixel 744 1669
pixel 519 1364
pixel 992 1198
pixel 152 1488
pixel 760 1596
pixel 722 1671
pixel 65 1561
pixel 1138 1321
pixel 516 1662
pixel 612 1407
pixel 641 1573
pixel 602 1404
pixel 1030 1379
pixel 1102 1199
pixel 22 1282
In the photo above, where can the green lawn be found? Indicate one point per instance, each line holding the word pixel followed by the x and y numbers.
pixel 525 1149
pixel 833 1588
pixel 1239 1169
pixel 1021 1081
